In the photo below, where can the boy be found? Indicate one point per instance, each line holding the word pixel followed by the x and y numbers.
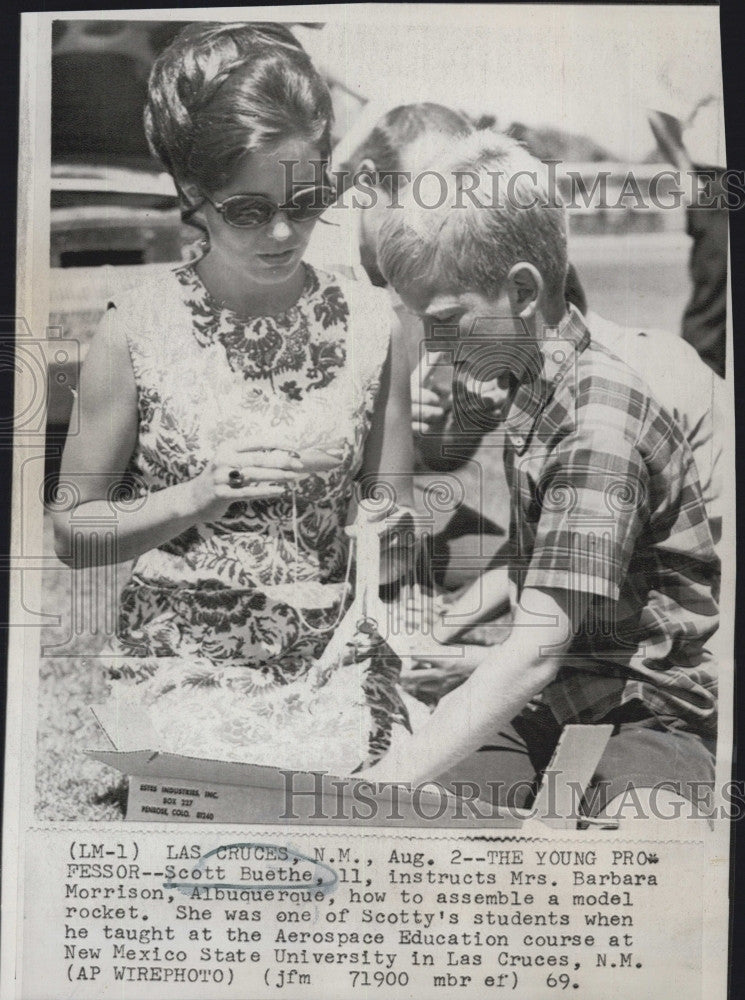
pixel 613 568
pixel 400 144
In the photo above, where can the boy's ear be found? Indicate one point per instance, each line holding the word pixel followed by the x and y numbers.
pixel 367 169
pixel 525 285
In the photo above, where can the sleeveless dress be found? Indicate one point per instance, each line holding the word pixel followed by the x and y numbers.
pixel 220 628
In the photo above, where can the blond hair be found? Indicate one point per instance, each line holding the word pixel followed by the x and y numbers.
pixel 493 207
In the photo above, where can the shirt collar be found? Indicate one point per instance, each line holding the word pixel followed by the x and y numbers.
pixel 548 362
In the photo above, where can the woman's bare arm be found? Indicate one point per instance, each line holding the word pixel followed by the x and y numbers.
pixel 96 458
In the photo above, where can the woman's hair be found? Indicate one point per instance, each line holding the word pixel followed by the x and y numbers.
pixel 399 128
pixel 221 90
pixel 494 206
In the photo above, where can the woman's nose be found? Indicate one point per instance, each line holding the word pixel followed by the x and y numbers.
pixel 280 227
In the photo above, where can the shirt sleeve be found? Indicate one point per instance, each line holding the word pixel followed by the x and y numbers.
pixel 593 500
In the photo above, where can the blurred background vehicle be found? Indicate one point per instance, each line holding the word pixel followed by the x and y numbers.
pixel 112 207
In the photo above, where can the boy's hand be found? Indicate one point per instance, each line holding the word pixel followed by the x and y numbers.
pixel 431 679
pixel 429 404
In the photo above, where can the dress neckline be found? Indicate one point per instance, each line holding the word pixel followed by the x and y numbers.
pixel 220 309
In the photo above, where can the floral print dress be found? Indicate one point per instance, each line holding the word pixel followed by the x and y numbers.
pixel 233 614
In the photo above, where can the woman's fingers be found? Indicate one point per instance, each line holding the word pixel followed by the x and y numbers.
pixel 245 449
pixel 306 461
pixel 262 458
pixel 321 460
pixel 255 474
pixel 251 491
pixel 262 491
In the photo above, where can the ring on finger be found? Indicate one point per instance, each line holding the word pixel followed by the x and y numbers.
pixel 236 479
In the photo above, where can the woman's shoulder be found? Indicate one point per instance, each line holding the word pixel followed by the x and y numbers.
pixel 152 292
pixel 140 319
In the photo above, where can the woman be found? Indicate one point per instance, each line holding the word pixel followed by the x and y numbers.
pixel 242 394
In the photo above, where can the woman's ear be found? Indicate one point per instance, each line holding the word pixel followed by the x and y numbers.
pixel 525 286
pixel 190 193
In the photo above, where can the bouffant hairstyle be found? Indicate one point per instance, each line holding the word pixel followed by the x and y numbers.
pixel 221 90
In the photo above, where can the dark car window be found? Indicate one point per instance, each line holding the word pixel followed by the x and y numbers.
pixel 97 106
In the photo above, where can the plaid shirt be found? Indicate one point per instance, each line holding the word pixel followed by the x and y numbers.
pixel 605 500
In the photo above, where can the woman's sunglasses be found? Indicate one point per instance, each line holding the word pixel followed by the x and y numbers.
pixel 246 211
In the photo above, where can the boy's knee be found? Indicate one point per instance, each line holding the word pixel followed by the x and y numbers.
pixel 663 803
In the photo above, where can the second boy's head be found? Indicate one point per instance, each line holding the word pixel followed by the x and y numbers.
pixel 400 143
pixel 480 242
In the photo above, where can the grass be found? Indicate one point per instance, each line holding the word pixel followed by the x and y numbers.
pixel 69 785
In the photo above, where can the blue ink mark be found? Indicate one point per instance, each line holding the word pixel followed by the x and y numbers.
pixel 324 885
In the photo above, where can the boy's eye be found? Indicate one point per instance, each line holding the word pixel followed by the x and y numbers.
pixel 444 321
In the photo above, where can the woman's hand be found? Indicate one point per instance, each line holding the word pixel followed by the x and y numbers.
pixel 266 474
pixel 322 459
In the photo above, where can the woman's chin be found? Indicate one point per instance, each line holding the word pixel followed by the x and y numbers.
pixel 276 267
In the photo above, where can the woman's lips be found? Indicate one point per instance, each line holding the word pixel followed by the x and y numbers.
pixel 279 257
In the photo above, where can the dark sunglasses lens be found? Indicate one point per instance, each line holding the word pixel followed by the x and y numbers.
pixel 310 204
pixel 247 211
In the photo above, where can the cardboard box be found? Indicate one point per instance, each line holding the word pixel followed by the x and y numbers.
pixel 173 788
